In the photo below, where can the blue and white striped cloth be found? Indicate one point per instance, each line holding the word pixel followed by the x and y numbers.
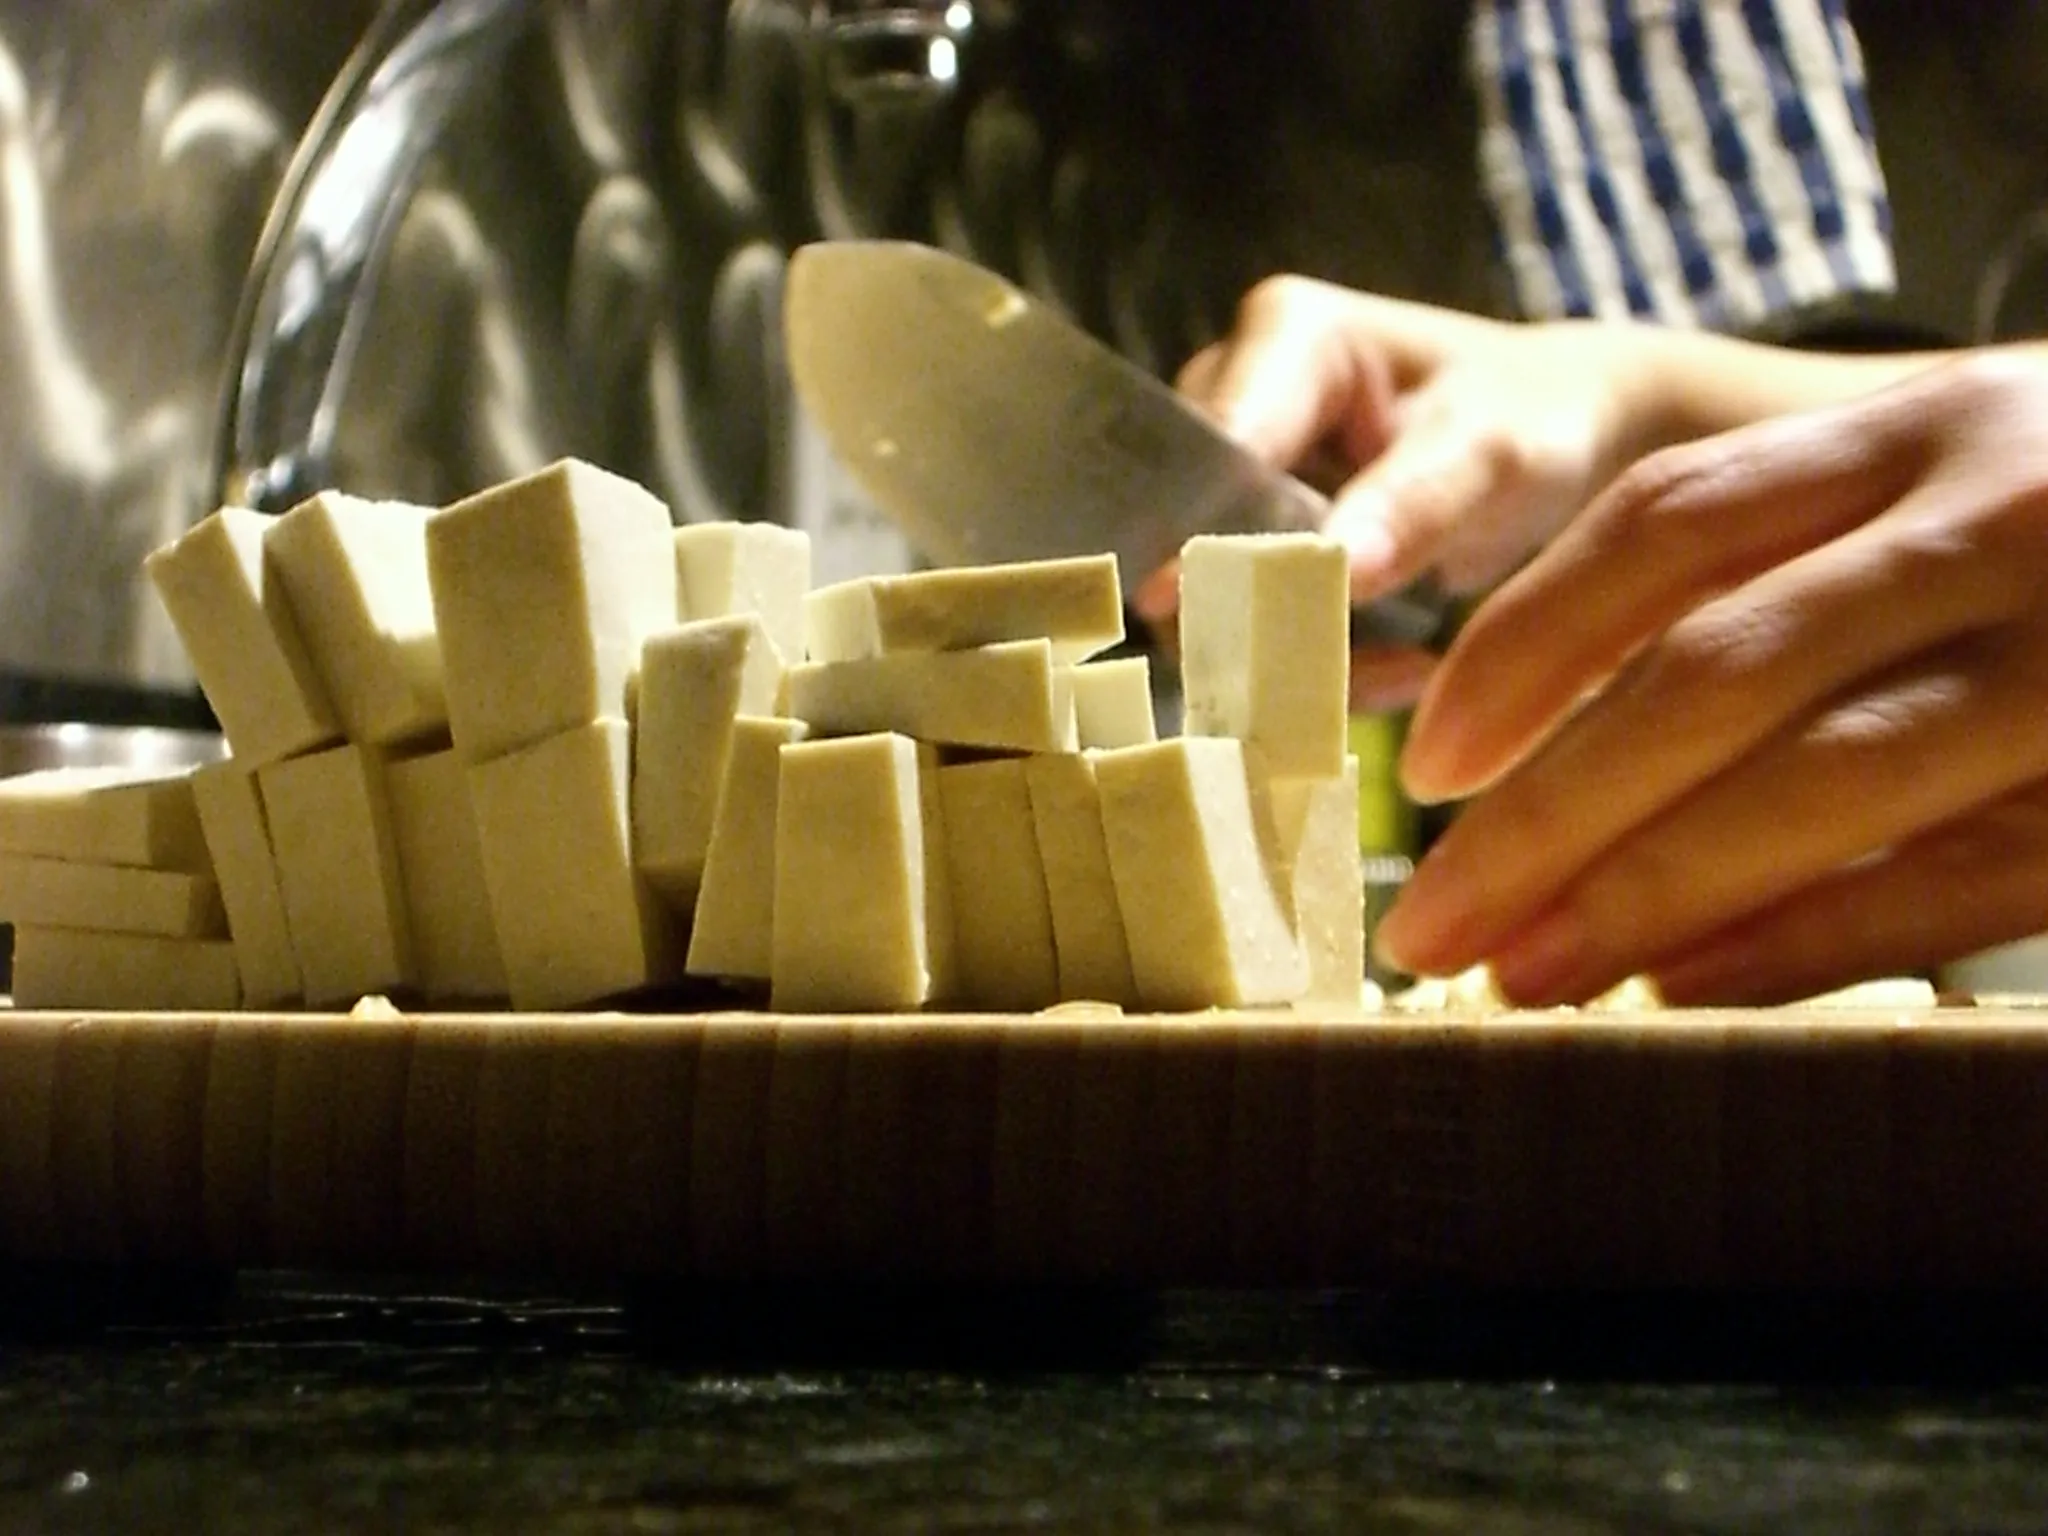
pixel 1706 163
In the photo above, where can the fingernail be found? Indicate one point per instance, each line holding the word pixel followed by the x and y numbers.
pixel 1418 932
pixel 1429 758
pixel 1546 962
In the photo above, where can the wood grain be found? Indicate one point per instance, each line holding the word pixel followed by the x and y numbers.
pixel 1806 1149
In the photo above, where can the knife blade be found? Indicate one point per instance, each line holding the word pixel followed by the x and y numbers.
pixel 990 428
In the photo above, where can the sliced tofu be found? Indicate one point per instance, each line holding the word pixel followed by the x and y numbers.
pixel 337 861
pixel 1315 824
pixel 1207 921
pixel 1265 646
pixel 695 680
pixel 732 936
pixel 355 575
pixel 857 928
pixel 1113 703
pixel 237 832
pixel 242 637
pixel 724 569
pixel 544 590
pixel 1007 697
pixel 144 818
pixel 575 922
pixel 1088 927
pixel 1075 604
pixel 111 898
pixel 1002 917
pixel 441 871
pixel 138 972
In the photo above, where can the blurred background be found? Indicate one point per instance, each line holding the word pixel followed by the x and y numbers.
pixel 247 250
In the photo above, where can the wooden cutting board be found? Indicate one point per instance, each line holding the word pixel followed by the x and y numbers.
pixel 1706 1151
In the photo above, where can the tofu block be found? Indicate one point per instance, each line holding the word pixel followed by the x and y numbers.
pixel 1076 604
pixel 1003 951
pixel 695 680
pixel 354 574
pixel 1087 925
pixel 1315 827
pixel 337 861
pixel 237 832
pixel 724 569
pixel 242 637
pixel 141 817
pixel 544 590
pixel 138 972
pixel 857 928
pixel 1207 920
pixel 732 935
pixel 441 871
pixel 1003 697
pixel 1265 646
pixel 1113 703
pixel 576 923
pixel 110 898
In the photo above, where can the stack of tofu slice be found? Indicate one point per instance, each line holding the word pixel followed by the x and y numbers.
pixel 983 816
pixel 544 746
pixel 432 722
pixel 104 875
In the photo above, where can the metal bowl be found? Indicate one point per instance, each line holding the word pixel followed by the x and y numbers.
pixel 76 744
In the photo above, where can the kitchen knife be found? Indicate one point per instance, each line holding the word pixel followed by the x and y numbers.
pixel 989 428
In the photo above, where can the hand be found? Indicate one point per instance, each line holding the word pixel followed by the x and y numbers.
pixel 1819 749
pixel 1460 443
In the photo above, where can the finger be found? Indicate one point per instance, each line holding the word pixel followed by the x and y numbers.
pixel 1156 599
pixel 1197 375
pixel 1680 528
pixel 1295 370
pixel 1400 515
pixel 1385 679
pixel 1711 690
pixel 1977 882
pixel 1873 771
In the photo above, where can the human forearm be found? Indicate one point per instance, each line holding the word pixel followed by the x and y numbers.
pixel 1693 384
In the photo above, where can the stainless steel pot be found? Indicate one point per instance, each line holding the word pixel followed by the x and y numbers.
pixel 140 145
pixel 75 744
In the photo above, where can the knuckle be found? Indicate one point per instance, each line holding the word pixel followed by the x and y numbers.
pixel 1504 458
pixel 1646 502
pixel 1274 297
pixel 1708 654
pixel 1289 301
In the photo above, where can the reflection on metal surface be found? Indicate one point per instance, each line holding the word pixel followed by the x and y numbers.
pixel 545 244
pixel 139 147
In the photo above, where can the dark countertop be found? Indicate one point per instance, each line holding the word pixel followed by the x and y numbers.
pixel 293 1403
